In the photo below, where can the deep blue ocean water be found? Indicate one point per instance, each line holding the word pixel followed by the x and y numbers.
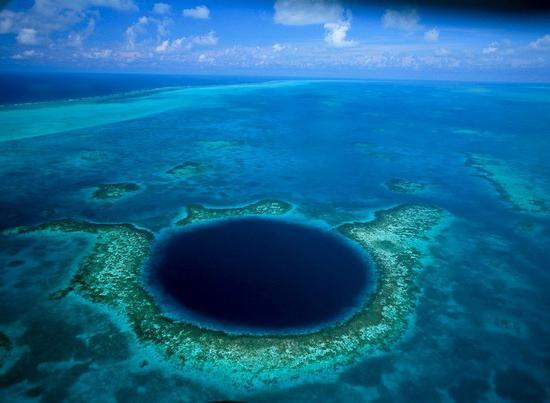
pixel 41 87
pixel 251 273
pixel 481 328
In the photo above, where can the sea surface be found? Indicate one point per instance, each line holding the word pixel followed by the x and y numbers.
pixel 480 151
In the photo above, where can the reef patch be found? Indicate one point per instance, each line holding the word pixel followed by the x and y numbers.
pixel 111 191
pixel 520 189
pixel 400 185
pixel 187 169
pixel 197 213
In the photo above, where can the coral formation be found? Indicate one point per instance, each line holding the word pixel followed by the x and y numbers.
pixel 109 191
pixel 404 186
pixel 197 213
pixel 213 145
pixel 514 185
pixel 186 169
pixel 111 274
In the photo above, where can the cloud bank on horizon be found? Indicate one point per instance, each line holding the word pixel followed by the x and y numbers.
pixel 283 36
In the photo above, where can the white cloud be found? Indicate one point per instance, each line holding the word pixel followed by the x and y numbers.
pixel 134 30
pixel 162 8
pixel 129 55
pixel 407 20
pixel 163 47
pixel 336 33
pixel 187 43
pixel 27 54
pixel 431 35
pixel 335 20
pixel 51 6
pixel 278 47
pixel 48 16
pixel 442 52
pixel 27 36
pixel 98 54
pixel 496 47
pixel 119 5
pixel 542 43
pixel 7 21
pixel 491 48
pixel 205 59
pixel 147 29
pixel 208 39
pixel 162 26
pixel 307 12
pixel 502 48
pixel 198 12
pixel 77 38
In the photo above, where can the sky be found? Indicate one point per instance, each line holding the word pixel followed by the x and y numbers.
pixel 307 38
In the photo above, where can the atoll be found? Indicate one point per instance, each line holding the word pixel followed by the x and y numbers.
pixel 515 186
pixel 109 191
pixel 111 274
pixel 404 186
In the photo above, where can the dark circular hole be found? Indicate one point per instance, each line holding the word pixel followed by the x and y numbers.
pixel 260 274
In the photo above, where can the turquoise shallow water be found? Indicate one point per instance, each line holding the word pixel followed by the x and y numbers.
pixel 481 328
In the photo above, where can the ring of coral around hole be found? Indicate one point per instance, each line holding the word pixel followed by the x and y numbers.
pixel 111 274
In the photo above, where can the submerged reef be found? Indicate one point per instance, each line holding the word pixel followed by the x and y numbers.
pixel 363 145
pixel 111 274
pixel 93 155
pixel 213 145
pixel 188 168
pixel 109 191
pixel 384 156
pixel 404 186
pixel 515 186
